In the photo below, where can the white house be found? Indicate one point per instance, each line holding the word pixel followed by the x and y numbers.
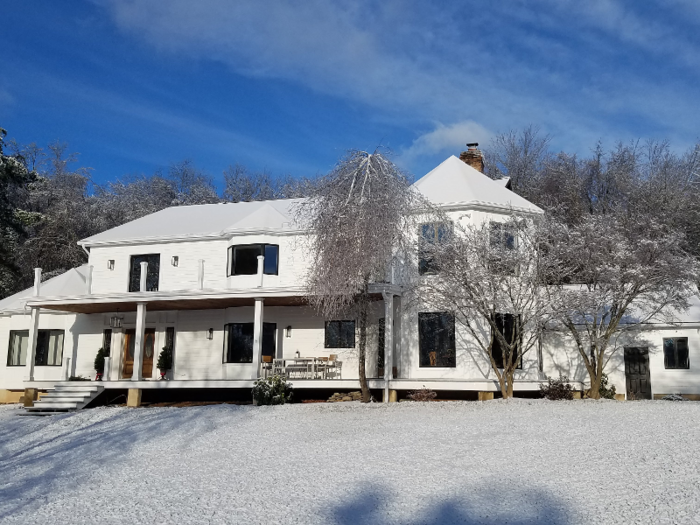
pixel 221 285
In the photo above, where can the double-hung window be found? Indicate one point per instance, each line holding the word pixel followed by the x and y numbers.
pixel 243 259
pixel 503 243
pixel 676 353
pixel 432 234
pixel 49 348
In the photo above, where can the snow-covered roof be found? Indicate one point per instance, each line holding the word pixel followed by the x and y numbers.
pixel 72 282
pixel 452 182
pixel 206 220
pixel 456 183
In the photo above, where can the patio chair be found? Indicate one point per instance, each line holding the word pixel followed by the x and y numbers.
pixel 333 367
pixel 266 365
pixel 321 367
pixel 278 367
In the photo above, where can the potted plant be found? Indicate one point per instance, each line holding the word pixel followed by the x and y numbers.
pixel 100 364
pixel 165 361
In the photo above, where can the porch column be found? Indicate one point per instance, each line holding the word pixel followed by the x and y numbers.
pixel 388 341
pixel 31 344
pixel 257 337
pixel 138 342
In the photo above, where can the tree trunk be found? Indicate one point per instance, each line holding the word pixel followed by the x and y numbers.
pixel 594 392
pixel 364 314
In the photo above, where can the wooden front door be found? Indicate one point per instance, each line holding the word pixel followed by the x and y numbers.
pixel 637 373
pixel 147 357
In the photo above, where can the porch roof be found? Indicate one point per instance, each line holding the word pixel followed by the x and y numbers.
pixel 185 299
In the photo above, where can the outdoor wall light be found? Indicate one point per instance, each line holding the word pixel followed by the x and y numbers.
pixel 110 264
pixel 288 331
pixel 115 321
pixel 210 334
pixel 174 260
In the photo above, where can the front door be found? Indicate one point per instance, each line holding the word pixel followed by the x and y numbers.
pixel 637 373
pixel 148 351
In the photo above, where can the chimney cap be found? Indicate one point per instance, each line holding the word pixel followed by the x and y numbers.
pixel 472 145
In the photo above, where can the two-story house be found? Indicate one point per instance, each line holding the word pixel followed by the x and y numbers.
pixel 222 285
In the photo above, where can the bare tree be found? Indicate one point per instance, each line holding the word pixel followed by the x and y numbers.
pixel 490 275
pixel 358 215
pixel 623 271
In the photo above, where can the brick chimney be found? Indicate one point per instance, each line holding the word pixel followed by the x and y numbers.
pixel 473 156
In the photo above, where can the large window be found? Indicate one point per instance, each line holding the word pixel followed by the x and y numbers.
pixel 152 272
pixel 238 342
pixel 431 233
pixel 436 340
pixel 49 348
pixel 676 353
pixel 340 334
pixel 508 327
pixel 243 259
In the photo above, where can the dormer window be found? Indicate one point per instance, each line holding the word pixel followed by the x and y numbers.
pixel 243 259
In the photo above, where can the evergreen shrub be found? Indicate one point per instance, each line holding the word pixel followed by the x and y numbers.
pixel 557 389
pixel 272 391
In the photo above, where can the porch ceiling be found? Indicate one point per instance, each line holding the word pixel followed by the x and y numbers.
pixel 203 303
pixel 127 302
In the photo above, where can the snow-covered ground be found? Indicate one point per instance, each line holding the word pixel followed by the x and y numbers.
pixel 524 462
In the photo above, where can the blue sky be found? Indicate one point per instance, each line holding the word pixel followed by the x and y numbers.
pixel 288 87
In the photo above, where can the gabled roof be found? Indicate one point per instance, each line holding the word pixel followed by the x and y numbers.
pixel 452 183
pixel 72 282
pixel 206 220
pixel 456 183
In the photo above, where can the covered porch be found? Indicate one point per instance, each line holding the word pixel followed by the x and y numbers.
pixel 200 325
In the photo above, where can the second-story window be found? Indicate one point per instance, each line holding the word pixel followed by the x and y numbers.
pixel 432 234
pixel 243 259
pixel 152 274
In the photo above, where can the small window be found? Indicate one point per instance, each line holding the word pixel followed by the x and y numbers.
pixel 107 341
pixel 381 334
pixel 243 259
pixel 676 353
pixel 340 334
pixel 49 348
pixel 170 337
pixel 436 340
pixel 508 327
pixel 152 272
pixel 502 235
pixel 431 233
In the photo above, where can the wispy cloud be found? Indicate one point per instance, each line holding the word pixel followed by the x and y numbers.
pixel 445 140
pixel 579 70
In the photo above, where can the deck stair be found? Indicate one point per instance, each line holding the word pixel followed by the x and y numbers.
pixel 66 397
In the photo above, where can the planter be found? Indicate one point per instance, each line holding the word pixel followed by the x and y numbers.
pixel 98 376
pixel 162 375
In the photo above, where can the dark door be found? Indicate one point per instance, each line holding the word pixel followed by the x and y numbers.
pixel 147 356
pixel 269 339
pixel 637 373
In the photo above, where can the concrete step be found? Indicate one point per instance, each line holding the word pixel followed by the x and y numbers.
pixel 49 405
pixel 65 397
